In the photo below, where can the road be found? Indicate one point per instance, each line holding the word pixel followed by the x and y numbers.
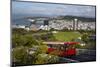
pixel 83 58
pixel 87 55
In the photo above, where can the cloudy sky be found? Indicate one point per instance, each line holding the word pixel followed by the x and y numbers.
pixel 44 9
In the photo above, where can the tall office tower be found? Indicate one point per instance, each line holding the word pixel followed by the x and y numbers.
pixel 46 22
pixel 75 24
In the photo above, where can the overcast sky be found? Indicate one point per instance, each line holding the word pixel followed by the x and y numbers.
pixel 33 9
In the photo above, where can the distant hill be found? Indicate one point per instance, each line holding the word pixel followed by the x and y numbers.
pixel 84 19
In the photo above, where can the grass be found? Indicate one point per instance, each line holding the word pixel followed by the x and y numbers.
pixel 62 36
pixel 66 36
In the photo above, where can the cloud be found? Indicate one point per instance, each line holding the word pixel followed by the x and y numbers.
pixel 52 9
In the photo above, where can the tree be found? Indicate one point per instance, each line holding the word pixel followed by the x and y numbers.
pixel 19 31
pixel 85 37
pixel 17 40
pixel 20 56
pixel 46 59
pixel 53 59
pixel 52 29
pixel 23 40
pixel 21 46
pixel 65 29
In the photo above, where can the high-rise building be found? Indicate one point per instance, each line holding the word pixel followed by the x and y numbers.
pixel 75 24
pixel 46 22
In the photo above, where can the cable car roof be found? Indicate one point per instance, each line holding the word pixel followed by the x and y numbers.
pixel 71 43
pixel 61 43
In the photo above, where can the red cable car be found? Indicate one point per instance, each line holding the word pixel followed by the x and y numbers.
pixel 63 49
